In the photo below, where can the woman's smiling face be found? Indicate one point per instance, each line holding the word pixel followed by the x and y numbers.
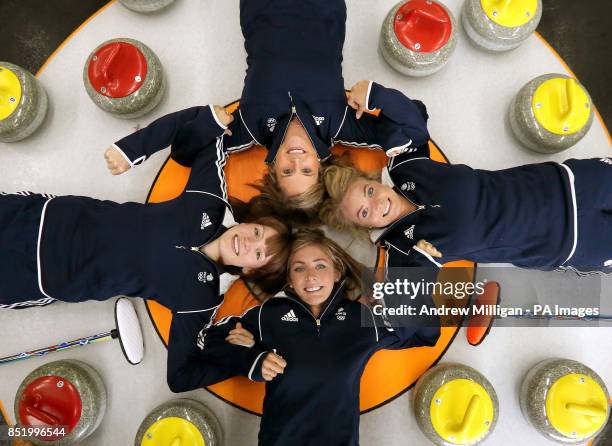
pixel 371 204
pixel 296 164
pixel 312 274
pixel 244 245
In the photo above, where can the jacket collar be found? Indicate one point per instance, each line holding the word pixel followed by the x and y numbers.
pixel 322 147
pixel 330 306
pixel 378 235
pixel 227 222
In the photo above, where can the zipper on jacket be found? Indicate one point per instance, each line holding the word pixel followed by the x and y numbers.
pixel 419 207
pixel 317 320
pixel 197 249
pixel 192 248
pixel 294 112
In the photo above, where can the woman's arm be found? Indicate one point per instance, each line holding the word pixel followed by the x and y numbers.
pixel 419 268
pixel 184 130
pixel 267 366
pixel 207 174
pixel 400 126
pixel 199 355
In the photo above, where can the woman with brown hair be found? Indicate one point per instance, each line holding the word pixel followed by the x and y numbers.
pixel 183 253
pixel 310 344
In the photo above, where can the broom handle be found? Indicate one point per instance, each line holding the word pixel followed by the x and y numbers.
pixel 101 337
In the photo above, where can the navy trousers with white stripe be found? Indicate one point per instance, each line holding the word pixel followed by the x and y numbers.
pixel 593 185
pixel 19 226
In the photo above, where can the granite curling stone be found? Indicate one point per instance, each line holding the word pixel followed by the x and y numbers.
pixel 125 78
pixel 564 400
pixel 189 421
pixel 146 6
pixel 455 405
pixel 500 25
pixel 68 395
pixel 23 103
pixel 551 113
pixel 418 37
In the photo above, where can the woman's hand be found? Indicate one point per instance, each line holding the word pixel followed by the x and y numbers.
pixel 240 336
pixel 115 161
pixel 357 97
pixel 225 118
pixel 272 366
pixel 430 249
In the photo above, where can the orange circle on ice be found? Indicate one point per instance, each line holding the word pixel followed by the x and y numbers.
pixel 388 374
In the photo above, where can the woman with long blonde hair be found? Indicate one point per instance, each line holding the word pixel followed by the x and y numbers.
pixel 293 103
pixel 309 344
pixel 425 213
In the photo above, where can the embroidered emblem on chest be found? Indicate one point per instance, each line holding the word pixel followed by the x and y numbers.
pixel 290 317
pixel 318 119
pixel 271 124
pixel 341 314
pixel 409 185
pixel 205 277
pixel 606 161
pixel 409 233
pixel 205 221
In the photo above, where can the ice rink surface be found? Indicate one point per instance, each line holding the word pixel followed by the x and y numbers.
pixel 200 46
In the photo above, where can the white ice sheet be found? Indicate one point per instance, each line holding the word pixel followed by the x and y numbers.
pixel 200 46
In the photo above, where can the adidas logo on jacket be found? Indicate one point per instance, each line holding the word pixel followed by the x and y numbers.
pixel 290 317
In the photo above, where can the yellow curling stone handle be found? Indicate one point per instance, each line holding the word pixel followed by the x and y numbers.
pixel 576 406
pixel 173 431
pixel 561 106
pixel 461 411
pixel 510 13
pixel 10 92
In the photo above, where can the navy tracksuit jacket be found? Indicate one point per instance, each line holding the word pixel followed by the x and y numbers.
pixel 294 58
pixel 316 400
pixel 78 248
pixel 543 216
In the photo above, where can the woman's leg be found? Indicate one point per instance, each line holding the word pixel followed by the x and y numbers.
pixel 593 185
pixel 19 228
pixel 293 28
pixel 292 45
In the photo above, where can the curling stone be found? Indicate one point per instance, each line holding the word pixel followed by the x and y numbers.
pixel 455 405
pixel 418 37
pixel 124 77
pixel 146 6
pixel 564 400
pixel 500 25
pixel 65 394
pixel 23 103
pixel 189 421
pixel 551 113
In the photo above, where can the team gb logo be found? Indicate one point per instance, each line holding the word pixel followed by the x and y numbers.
pixel 341 314
pixel 203 277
